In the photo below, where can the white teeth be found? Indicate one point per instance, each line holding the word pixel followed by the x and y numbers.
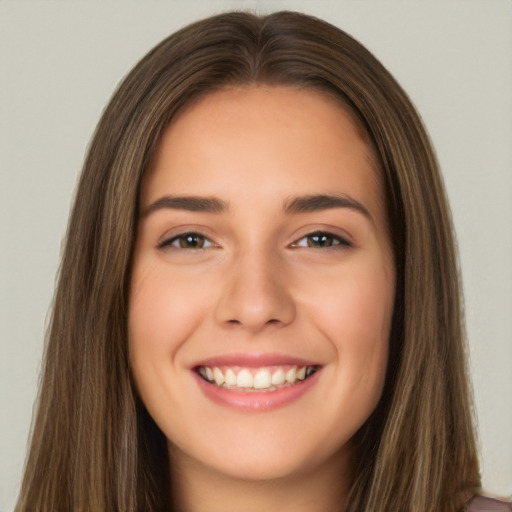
pixel 278 377
pixel 301 373
pixel 291 375
pixel 218 376
pixel 244 379
pixel 230 377
pixel 262 379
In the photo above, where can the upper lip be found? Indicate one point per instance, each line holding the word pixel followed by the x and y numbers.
pixel 249 360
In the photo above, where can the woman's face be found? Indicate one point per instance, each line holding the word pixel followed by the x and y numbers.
pixel 263 284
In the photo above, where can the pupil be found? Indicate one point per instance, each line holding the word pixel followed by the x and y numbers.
pixel 320 240
pixel 191 242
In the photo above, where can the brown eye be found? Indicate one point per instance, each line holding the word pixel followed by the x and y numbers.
pixel 191 241
pixel 322 240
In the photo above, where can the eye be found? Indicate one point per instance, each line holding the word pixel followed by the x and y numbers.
pixel 321 240
pixel 190 241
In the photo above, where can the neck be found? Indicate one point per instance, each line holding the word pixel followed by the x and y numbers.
pixel 197 488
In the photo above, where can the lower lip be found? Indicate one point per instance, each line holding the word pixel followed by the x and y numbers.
pixel 256 401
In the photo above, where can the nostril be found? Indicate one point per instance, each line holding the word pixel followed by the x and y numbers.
pixel 272 321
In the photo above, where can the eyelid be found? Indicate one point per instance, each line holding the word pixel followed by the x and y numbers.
pixel 341 240
pixel 168 241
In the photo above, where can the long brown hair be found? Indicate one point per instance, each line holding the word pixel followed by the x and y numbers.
pixel 94 447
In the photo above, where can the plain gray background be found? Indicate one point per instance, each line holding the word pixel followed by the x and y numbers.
pixel 59 63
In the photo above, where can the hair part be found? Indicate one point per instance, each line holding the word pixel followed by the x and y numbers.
pixel 94 447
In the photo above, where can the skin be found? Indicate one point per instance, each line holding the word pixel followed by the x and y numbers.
pixel 259 284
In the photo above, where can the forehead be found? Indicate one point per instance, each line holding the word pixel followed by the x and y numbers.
pixel 249 133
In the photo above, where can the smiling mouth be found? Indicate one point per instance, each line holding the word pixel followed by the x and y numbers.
pixel 248 379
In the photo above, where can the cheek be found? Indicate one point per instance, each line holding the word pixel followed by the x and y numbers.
pixel 164 310
pixel 358 300
pixel 356 318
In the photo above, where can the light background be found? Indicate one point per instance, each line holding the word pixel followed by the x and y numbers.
pixel 59 63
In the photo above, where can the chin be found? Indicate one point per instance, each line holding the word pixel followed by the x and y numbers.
pixel 274 454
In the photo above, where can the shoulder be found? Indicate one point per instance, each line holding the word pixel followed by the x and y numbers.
pixel 484 504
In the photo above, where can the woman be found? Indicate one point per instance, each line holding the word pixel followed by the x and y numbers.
pixel 138 408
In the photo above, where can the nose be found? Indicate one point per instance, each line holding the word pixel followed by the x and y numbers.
pixel 256 294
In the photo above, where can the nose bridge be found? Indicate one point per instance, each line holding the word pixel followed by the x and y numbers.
pixel 256 292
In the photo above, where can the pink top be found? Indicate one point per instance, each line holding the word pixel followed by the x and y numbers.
pixel 484 504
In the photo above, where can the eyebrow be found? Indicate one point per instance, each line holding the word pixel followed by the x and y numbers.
pixel 312 203
pixel 294 205
pixel 189 203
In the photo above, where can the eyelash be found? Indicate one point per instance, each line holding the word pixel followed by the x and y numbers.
pixel 323 237
pixel 175 241
pixel 334 241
